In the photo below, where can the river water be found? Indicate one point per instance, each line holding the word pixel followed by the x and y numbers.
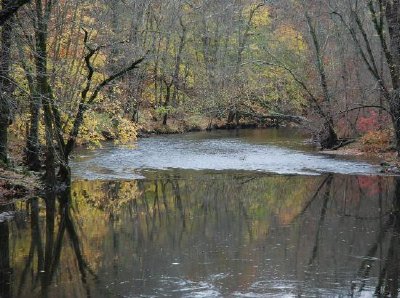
pixel 251 213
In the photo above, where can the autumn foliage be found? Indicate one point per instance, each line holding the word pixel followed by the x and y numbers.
pixel 376 137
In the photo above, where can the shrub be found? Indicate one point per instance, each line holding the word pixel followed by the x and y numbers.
pixel 125 131
pixel 376 141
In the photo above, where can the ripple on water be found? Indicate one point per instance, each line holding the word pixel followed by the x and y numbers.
pixel 189 288
pixel 176 152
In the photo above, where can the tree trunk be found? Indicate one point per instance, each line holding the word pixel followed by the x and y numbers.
pixel 327 136
pixel 166 103
pixel 32 148
pixel 395 111
pixel 175 78
pixel 5 85
pixel 33 145
pixel 49 246
pixel 231 117
pixel 43 89
pixel 392 16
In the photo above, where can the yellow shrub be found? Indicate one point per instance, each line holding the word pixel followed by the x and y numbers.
pixel 376 141
pixel 89 133
pixel 19 127
pixel 126 131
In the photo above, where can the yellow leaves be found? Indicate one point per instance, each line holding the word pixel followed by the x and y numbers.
pixel 128 191
pixel 187 8
pixel 99 60
pixel 261 17
pixel 18 127
pixel 126 131
pixel 118 128
pixel 376 141
pixel 290 38
pixel 276 89
pixel 90 133
pixel 88 20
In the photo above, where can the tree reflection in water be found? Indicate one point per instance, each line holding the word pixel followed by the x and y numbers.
pixel 5 269
pixel 389 270
pixel 326 235
pixel 47 243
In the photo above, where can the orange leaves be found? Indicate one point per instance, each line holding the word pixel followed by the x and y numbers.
pixel 376 141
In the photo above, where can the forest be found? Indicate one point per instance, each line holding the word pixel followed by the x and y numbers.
pixel 78 72
pixel 199 148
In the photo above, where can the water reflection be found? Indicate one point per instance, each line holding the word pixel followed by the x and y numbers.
pixel 187 234
pixel 42 249
pixel 5 269
pixel 389 269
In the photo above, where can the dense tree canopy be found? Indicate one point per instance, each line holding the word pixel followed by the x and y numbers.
pixel 82 71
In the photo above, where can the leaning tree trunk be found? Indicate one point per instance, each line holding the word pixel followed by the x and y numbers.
pixel 5 85
pixel 327 135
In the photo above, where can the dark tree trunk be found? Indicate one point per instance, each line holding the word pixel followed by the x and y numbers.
pixel 33 145
pixel 166 103
pixel 5 85
pixel 327 137
pixel 49 246
pixel 390 45
pixel 43 89
pixel 135 113
pixel 393 60
pixel 32 148
pixel 175 78
pixel 5 270
pixel 65 174
pixel 395 105
pixel 231 117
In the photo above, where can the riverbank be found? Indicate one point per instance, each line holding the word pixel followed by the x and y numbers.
pixel 387 158
pixel 17 184
pixel 195 124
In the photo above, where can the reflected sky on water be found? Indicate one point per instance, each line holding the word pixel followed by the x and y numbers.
pixel 267 151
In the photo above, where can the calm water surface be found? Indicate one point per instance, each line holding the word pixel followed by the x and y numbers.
pixel 248 214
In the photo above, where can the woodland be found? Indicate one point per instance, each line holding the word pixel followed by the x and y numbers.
pixel 79 72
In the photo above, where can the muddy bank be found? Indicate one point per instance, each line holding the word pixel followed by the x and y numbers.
pixel 16 185
pixel 387 158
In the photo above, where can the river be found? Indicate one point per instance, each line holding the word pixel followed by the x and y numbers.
pixel 250 213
